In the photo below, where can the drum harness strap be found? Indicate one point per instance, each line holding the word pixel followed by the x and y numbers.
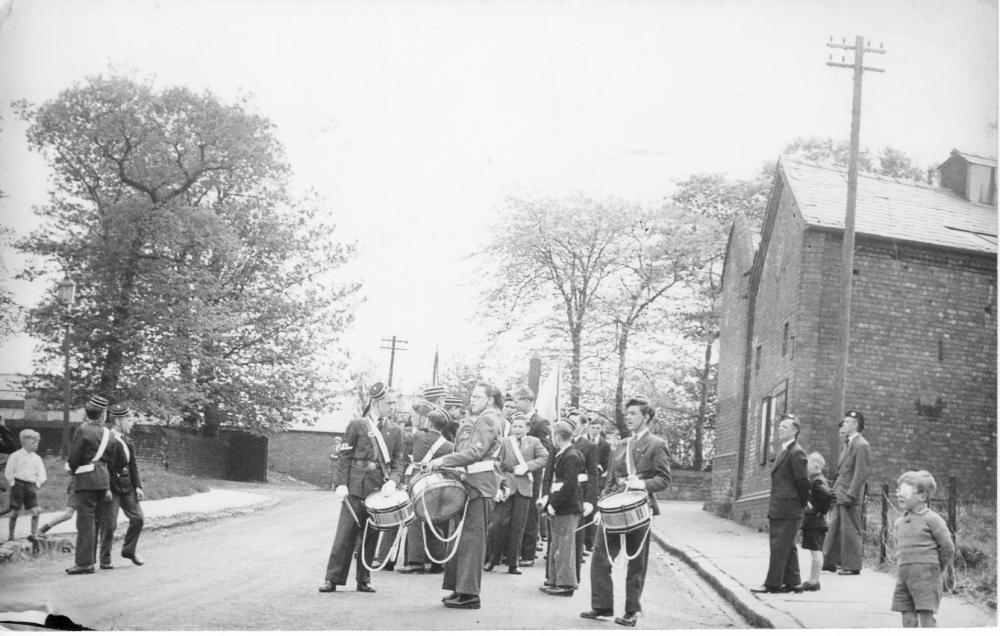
pixel 453 537
pixel 515 445
pixel 379 441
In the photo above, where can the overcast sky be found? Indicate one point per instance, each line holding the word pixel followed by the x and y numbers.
pixel 414 119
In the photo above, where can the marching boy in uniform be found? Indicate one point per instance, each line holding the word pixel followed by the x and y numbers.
pixel 564 504
pixel 371 459
pixel 641 462
pixel 88 464
pixel 126 491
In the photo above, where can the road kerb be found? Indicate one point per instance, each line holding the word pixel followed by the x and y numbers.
pixel 752 609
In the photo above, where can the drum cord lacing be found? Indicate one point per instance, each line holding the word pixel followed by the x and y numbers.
pixel 642 544
pixel 458 531
pixel 364 540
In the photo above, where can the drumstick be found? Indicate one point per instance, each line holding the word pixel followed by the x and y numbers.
pixel 351 509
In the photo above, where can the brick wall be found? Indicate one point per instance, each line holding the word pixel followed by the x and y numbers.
pixel 233 455
pixel 50 432
pixel 688 485
pixel 304 455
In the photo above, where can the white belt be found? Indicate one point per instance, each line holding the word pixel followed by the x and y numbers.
pixel 582 477
pixel 478 467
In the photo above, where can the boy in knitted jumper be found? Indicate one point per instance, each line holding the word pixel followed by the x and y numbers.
pixel 923 550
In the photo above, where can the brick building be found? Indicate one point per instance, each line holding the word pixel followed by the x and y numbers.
pixel 923 328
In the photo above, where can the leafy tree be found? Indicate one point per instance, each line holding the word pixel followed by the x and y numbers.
pixel 10 313
pixel 894 163
pixel 546 263
pixel 201 288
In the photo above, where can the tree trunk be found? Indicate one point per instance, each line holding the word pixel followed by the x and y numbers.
pixel 699 427
pixel 622 347
pixel 210 428
pixel 114 358
pixel 574 382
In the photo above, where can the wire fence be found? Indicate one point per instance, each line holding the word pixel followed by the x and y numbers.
pixel 973 568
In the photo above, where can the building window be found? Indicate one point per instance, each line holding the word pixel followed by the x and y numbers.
pixel 756 364
pixel 784 341
pixel 764 436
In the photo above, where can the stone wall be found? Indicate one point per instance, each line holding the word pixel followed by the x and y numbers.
pixel 304 455
pixel 688 485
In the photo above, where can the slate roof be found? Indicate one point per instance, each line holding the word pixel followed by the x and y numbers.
pixel 891 208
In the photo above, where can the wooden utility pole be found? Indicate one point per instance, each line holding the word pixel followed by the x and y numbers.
pixel 393 347
pixel 847 267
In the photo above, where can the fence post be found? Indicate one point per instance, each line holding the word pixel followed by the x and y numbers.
pixel 884 532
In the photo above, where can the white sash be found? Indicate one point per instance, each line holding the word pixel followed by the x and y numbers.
pixel 87 468
pixel 376 435
pixel 121 439
pixel 515 445
pixel 438 443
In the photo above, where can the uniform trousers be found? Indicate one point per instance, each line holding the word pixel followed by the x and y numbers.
pixel 507 529
pixel 90 507
pixel 581 540
pixel 561 565
pixel 590 533
pixel 388 537
pixel 602 591
pixel 783 565
pixel 128 503
pixel 464 572
pixel 844 544
pixel 417 547
pixel 345 541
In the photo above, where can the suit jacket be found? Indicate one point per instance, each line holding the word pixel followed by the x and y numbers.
pixel 603 455
pixel 820 498
pixel 123 468
pixel 853 469
pixel 789 484
pixel 535 456
pixel 592 469
pixel 477 441
pixel 568 466
pixel 82 450
pixel 651 459
pixel 357 453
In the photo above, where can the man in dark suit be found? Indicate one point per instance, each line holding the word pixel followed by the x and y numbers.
pixel 789 495
pixel 641 463
pixel 590 482
pixel 88 457
pixel 126 490
pixel 476 445
pixel 371 459
pixel 598 439
pixel 843 548
pixel 538 427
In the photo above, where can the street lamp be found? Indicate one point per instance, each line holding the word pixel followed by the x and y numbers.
pixel 67 293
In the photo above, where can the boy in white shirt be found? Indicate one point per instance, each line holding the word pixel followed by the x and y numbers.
pixel 25 472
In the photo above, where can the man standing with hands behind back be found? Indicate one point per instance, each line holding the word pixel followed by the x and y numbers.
pixel 790 487
pixel 843 548
pixel 91 481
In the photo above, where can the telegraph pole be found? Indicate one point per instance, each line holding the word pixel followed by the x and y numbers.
pixel 393 347
pixel 847 268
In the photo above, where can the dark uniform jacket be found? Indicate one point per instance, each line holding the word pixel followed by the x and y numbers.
pixel 535 456
pixel 651 460
pixel 475 442
pixel 82 449
pixel 789 484
pixel 539 427
pixel 360 466
pixel 820 498
pixel 422 442
pixel 566 491
pixel 603 456
pixel 123 468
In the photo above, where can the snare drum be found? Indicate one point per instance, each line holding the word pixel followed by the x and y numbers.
pixel 625 511
pixel 437 497
pixel 389 510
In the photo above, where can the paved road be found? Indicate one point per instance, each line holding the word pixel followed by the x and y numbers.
pixel 262 571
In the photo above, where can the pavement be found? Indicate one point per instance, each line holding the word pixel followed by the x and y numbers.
pixel 733 559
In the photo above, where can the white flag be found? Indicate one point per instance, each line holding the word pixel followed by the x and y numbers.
pixel 547 402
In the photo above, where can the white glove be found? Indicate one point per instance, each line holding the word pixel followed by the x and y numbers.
pixel 587 508
pixel 520 470
pixel 551 510
pixel 435 463
pixel 542 501
pixel 636 484
pixel 340 491
pixel 389 486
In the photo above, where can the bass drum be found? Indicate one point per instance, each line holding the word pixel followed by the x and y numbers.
pixel 437 497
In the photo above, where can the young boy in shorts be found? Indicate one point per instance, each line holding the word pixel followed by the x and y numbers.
pixel 923 550
pixel 26 474
pixel 814 524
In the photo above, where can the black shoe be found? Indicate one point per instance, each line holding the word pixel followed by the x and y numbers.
pixel 513 571
pixel 450 597
pixel 558 591
pixel 464 601
pixel 107 566
pixel 365 587
pixel 80 569
pixel 769 589
pixel 437 568
pixel 527 563
pixel 848 572
pixel 829 568
pixel 597 614
pixel 627 619
pixel 808 587
pixel 489 567
pixel 133 558
pixel 328 587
